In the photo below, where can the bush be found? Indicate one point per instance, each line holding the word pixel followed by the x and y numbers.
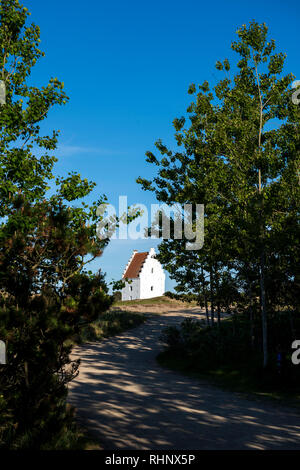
pixel 109 324
pixel 229 347
pixel 117 296
pixel 172 337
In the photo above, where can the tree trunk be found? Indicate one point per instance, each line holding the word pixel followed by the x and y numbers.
pixel 263 309
pixel 219 313
pixel 216 279
pixel 205 297
pixel 212 313
pixel 206 310
pixel 262 273
pixel 251 318
pixel 292 325
pixel 26 374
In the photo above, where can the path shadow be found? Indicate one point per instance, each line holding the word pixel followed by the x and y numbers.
pixel 126 399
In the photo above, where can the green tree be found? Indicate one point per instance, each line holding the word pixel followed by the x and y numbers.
pixel 240 157
pixel 26 107
pixel 47 295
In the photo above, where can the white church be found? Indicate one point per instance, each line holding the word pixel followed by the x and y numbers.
pixel 146 275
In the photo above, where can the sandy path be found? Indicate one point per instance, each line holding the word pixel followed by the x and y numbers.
pixel 125 399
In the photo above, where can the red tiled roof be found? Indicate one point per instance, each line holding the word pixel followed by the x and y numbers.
pixel 135 266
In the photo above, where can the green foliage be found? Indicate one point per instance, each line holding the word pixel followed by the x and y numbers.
pixel 46 295
pixel 230 349
pixel 26 107
pixel 237 152
pixel 117 295
pixel 151 301
pixel 110 324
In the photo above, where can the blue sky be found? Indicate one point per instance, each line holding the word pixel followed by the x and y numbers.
pixel 126 66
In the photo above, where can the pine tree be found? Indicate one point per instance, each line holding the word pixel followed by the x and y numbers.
pixel 47 295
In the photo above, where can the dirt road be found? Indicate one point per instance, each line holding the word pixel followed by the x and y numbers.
pixel 129 402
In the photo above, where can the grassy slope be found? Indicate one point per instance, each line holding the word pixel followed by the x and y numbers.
pixel 110 324
pixel 153 300
pixel 163 300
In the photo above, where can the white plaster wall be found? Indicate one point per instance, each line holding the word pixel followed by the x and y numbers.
pixel 2 352
pixel 155 279
pixel 131 291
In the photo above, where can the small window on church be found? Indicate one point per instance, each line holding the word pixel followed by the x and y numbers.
pixel 130 287
pixel 152 270
pixel 151 287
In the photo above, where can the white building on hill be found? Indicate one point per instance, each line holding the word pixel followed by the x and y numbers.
pixel 146 274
